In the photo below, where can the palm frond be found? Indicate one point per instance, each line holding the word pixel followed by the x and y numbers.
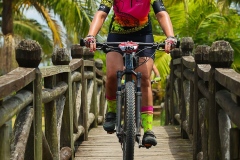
pixel 31 29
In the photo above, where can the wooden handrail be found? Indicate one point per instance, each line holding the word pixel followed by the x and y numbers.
pixel 202 95
pixel 62 91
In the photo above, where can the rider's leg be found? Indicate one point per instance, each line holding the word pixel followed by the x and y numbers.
pixel 114 63
pixel 147 101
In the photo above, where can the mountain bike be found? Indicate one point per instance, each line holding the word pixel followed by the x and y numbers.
pixel 128 124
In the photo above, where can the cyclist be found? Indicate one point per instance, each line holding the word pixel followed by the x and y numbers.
pixel 131 22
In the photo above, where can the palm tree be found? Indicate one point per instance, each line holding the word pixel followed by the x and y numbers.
pixel 74 15
pixel 207 22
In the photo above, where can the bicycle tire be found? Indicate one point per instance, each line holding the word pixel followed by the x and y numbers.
pixel 129 122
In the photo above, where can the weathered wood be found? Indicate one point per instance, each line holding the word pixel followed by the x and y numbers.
pixel 84 109
pixel 229 79
pixel 203 71
pixel 94 104
pixel 88 63
pixel 46 153
pixel 67 120
pixel 201 54
pixel 21 132
pixel 176 53
pixel 75 64
pixel 177 73
pixel 187 46
pixel 234 143
pixel 65 153
pixel 224 132
pixel 75 115
pixel 13 105
pixel 189 74
pixel 88 75
pixel 214 141
pixel 5 140
pixel 203 88
pixel 37 103
pixel 221 54
pixel 78 101
pixel 90 95
pixel 223 98
pixel 50 112
pixel 76 76
pixel 188 62
pixel 203 123
pixel 80 132
pixel 50 94
pixel 106 146
pixel 177 61
pixel 15 80
pixel 54 70
pixel 60 107
pixel 28 53
pixel 61 57
pixel 77 51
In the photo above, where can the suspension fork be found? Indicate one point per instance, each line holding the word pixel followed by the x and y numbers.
pixel 119 102
pixel 138 95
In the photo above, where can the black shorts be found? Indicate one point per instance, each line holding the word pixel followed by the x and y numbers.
pixel 113 37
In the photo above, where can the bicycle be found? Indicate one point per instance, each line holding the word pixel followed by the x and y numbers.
pixel 128 126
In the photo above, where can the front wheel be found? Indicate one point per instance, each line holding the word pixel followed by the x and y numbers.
pixel 129 122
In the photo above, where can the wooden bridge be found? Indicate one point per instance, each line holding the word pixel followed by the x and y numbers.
pixel 46 112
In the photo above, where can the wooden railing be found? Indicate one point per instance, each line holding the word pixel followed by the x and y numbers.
pixel 202 95
pixel 71 94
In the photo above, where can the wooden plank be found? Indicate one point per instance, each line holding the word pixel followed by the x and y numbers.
pixel 54 70
pixel 229 79
pixel 101 145
pixel 75 64
pixel 15 80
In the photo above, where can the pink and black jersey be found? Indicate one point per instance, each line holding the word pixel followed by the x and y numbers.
pixel 130 15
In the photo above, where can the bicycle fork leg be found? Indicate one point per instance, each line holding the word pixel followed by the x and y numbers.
pixel 119 104
pixel 138 109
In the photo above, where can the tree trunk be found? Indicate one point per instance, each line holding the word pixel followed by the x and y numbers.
pixel 7 57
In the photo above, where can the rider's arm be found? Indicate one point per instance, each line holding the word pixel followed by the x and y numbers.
pixel 97 22
pixel 95 26
pixel 164 20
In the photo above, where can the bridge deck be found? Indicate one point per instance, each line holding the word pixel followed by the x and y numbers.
pixel 102 146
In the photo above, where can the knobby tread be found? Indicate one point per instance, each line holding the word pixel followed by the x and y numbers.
pixel 129 121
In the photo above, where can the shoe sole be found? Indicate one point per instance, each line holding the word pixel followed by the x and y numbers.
pixel 110 132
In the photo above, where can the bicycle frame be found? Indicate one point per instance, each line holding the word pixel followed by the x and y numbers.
pixel 129 72
pixel 125 92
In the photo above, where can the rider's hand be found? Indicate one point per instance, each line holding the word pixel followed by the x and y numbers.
pixel 170 43
pixel 157 79
pixel 90 42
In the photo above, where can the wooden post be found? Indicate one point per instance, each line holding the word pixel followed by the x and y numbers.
pixel 84 107
pixel 50 113
pixel 201 57
pixel 94 97
pixel 234 143
pixel 62 57
pixel 187 45
pixel 220 55
pixel 99 65
pixel 5 141
pixel 176 53
pixel 76 52
pixel 29 54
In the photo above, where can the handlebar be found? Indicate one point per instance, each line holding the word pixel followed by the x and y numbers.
pixel 104 45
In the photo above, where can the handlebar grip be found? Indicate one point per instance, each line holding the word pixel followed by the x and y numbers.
pixel 178 44
pixel 82 43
